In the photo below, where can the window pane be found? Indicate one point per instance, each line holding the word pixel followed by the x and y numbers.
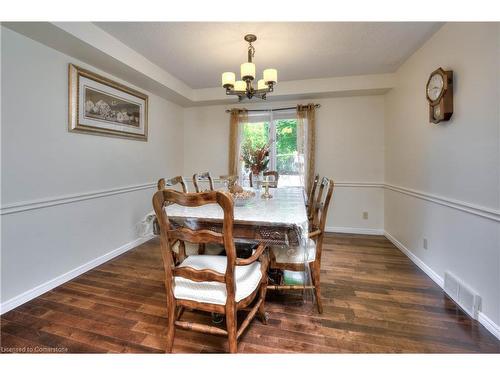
pixel 283 155
pixel 257 132
pixel 286 152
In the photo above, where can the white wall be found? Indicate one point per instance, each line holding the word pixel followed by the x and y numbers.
pixel 42 161
pixel 456 161
pixel 350 149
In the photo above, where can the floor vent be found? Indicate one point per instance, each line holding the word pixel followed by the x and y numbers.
pixel 466 298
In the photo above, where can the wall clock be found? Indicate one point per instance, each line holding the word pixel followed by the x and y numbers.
pixel 439 93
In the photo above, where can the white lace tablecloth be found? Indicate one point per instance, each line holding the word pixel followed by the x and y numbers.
pixel 286 207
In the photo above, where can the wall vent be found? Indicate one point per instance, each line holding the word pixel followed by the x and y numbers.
pixel 463 295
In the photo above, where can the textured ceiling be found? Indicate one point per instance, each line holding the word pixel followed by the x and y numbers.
pixel 198 52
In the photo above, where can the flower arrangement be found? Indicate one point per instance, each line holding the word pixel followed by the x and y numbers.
pixel 255 158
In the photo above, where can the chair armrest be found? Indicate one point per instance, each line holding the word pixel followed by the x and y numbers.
pixel 256 255
pixel 314 234
pixel 199 275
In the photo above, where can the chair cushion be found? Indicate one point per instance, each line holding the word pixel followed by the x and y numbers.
pixel 295 254
pixel 247 280
pixel 192 248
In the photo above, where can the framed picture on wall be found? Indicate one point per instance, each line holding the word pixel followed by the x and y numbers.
pixel 100 106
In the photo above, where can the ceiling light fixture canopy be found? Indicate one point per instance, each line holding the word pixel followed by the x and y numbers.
pixel 244 87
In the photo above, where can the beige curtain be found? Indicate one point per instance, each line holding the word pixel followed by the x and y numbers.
pixel 306 142
pixel 236 121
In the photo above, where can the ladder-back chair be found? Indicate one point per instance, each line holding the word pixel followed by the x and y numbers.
pixel 217 284
pixel 294 259
pixel 163 184
pixel 310 200
pixel 189 247
pixel 170 182
pixel 204 177
pixel 198 180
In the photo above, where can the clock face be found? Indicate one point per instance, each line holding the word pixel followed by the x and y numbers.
pixel 435 86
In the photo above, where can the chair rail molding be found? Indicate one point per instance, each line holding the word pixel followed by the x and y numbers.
pixel 35 204
pixel 486 212
pixel 358 184
pixel 65 199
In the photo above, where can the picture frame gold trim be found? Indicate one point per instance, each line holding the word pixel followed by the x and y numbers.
pixel 74 74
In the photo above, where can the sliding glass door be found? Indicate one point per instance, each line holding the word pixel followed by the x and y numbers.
pixel 280 131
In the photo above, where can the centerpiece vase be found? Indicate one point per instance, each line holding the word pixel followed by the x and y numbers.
pixel 257 178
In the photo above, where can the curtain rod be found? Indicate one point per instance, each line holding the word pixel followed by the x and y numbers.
pixel 273 109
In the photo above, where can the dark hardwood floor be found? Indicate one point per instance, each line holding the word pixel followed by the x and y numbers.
pixel 375 300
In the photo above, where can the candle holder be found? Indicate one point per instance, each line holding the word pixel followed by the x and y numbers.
pixel 266 184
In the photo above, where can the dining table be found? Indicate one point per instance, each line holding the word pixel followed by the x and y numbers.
pixel 280 220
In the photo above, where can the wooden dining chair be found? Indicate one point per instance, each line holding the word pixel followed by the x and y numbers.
pixel 170 182
pixel 190 248
pixel 310 200
pixel 218 284
pixel 198 178
pixel 204 177
pixel 163 184
pixel 272 184
pixel 295 258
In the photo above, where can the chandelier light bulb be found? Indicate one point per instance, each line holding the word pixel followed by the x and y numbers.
pixel 270 75
pixel 248 71
pixel 228 79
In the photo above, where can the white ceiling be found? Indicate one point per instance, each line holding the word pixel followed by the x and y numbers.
pixel 198 52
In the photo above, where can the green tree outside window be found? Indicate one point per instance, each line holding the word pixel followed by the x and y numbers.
pixel 286 142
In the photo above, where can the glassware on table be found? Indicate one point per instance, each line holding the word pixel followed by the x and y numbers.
pixel 257 180
pixel 266 184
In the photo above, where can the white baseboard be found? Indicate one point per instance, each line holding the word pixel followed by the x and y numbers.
pixel 489 324
pixel 482 318
pixel 353 230
pixel 51 284
pixel 424 267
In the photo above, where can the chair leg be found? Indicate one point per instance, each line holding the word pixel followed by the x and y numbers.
pixel 315 273
pixel 172 313
pixel 201 249
pixel 262 310
pixel 231 329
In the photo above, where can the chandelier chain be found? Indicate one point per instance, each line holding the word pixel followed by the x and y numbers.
pixel 251 51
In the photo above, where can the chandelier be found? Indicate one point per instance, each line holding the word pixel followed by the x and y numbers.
pixel 244 87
